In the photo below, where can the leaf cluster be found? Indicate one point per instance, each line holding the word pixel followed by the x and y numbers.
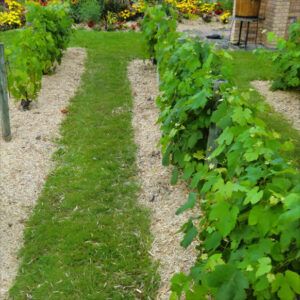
pixel 287 59
pixel 40 47
pixel 248 228
pixel 158 21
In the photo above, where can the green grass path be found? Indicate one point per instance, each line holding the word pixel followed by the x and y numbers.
pixel 88 238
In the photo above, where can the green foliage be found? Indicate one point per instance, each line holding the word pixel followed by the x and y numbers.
pixel 226 4
pixel 75 10
pixel 25 73
pixel 95 10
pixel 54 23
pixel 40 46
pixel 158 20
pixel 90 10
pixel 115 6
pixel 249 195
pixel 287 59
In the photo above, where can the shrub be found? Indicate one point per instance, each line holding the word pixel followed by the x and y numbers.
pixel 248 228
pixel 116 6
pixel 226 4
pixel 90 11
pixel 75 10
pixel 40 46
pixel 54 25
pixel 26 69
pixel 158 20
pixel 286 59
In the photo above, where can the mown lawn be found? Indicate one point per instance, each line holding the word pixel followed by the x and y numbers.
pixel 246 67
pixel 88 238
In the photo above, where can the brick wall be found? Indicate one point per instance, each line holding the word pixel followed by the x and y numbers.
pixel 294 10
pixel 274 16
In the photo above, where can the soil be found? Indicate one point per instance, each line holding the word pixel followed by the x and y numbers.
pixel 156 192
pixel 25 161
pixel 286 103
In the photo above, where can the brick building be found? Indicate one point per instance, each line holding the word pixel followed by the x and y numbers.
pixel 274 16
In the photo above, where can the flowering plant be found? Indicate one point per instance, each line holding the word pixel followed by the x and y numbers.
pixel 225 17
pixel 207 8
pixel 218 8
pixel 12 16
pixel 126 14
pixel 135 10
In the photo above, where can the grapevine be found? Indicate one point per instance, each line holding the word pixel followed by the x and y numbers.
pixel 248 229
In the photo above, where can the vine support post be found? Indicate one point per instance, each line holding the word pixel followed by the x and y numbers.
pixel 214 131
pixel 4 109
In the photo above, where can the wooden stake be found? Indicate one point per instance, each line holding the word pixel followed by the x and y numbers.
pixel 4 109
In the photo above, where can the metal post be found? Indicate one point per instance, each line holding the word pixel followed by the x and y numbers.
pixel 240 33
pixel 4 109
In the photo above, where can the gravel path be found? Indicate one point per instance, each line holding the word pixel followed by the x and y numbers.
pixel 199 28
pixel 284 102
pixel 156 192
pixel 26 160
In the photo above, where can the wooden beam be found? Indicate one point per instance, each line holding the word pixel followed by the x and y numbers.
pixel 4 109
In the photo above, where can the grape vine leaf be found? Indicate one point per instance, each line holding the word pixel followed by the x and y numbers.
pixel 224 216
pixel 294 280
pixel 264 266
pixel 190 203
pixel 230 283
pixel 190 232
pixel 226 137
pixel 254 196
pixel 241 116
pixel 213 241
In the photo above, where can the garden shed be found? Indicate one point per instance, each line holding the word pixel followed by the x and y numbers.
pixel 273 16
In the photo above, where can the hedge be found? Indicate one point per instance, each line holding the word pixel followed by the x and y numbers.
pixel 247 194
pixel 39 49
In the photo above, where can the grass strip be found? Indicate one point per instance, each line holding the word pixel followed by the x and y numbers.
pixel 88 238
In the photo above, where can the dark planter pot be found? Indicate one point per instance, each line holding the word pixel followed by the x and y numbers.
pixel 218 12
pixel 25 104
pixel 91 24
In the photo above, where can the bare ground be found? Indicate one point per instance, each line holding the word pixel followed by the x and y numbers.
pixel 26 160
pixel 156 192
pixel 198 25
pixel 285 102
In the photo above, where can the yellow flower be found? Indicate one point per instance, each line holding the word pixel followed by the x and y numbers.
pixel 225 17
pixel 12 15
